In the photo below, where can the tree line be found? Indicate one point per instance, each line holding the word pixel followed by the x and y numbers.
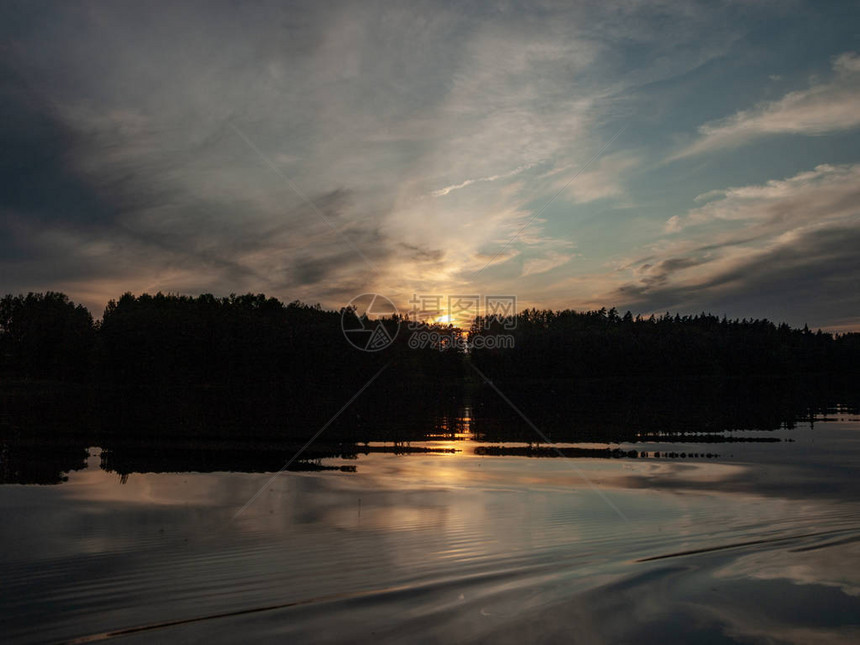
pixel 602 343
pixel 240 339
pixel 253 339
pixel 183 365
pixel 170 366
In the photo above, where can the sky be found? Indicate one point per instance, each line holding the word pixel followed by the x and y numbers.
pixel 656 156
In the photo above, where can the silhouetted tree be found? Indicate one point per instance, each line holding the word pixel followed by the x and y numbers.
pixel 602 344
pixel 251 364
pixel 45 336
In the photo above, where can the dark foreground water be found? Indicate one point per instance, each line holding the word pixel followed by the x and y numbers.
pixel 710 542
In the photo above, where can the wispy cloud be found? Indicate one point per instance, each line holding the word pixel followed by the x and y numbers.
pixel 605 179
pixel 468 182
pixel 432 136
pixel 827 107
pixel 552 260
pixel 827 189
pixel 787 246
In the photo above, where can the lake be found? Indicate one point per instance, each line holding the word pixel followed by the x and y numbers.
pixel 740 536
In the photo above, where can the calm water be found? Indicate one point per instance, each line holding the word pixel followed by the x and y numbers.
pixel 732 542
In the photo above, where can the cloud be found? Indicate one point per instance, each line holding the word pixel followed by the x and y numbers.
pixel 468 182
pixel 552 260
pixel 829 189
pixel 786 248
pixel 809 277
pixel 823 108
pixel 659 273
pixel 604 179
pixel 122 171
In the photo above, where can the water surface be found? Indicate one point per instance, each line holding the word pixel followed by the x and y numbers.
pixel 454 539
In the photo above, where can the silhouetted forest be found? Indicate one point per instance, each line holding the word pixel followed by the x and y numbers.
pixel 251 339
pixel 167 365
pixel 237 341
pixel 571 344
pixel 46 336
pixel 167 375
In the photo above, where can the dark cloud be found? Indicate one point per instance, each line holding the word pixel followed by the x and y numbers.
pixel 815 279
pixel 420 254
pixel 311 271
pixel 35 178
pixel 659 273
pixel 53 214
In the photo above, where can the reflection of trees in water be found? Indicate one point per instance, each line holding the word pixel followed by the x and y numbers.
pixel 170 428
pixel 634 409
pixel 162 370
pixel 40 463
pixel 125 458
pixel 45 431
pixel 590 453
